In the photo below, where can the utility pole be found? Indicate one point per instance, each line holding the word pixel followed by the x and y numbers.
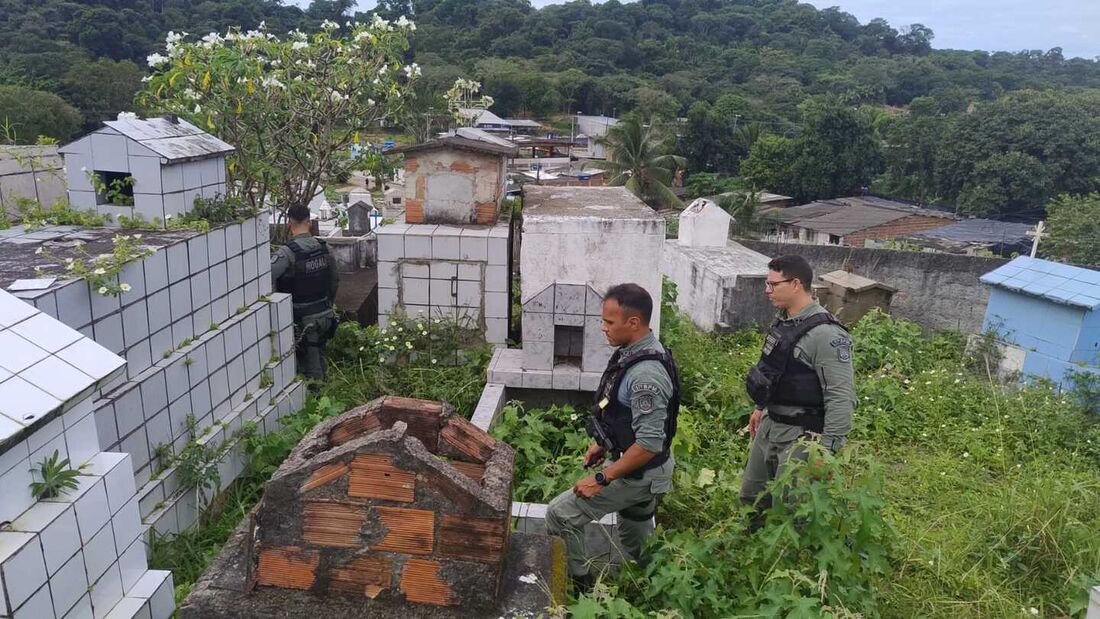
pixel 1036 235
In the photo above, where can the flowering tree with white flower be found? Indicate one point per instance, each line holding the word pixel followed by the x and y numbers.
pixel 292 107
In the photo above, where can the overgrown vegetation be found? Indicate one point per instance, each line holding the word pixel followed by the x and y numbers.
pixel 957 497
pixel 34 215
pixel 432 358
pixel 101 272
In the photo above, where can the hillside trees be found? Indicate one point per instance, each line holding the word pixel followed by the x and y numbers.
pixel 26 114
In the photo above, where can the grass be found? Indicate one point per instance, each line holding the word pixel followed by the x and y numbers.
pixel 980 497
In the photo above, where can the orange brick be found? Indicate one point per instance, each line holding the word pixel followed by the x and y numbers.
pixel 469 469
pixel 324 475
pixel 363 576
pixel 327 523
pixel 468 439
pixel 374 476
pixel 414 211
pixel 411 164
pixel 410 531
pixel 354 428
pixel 463 167
pixel 421 583
pixel 472 539
pixel 287 568
pixel 421 416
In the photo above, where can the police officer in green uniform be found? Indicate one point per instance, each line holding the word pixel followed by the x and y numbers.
pixel 803 385
pixel 304 269
pixel 632 423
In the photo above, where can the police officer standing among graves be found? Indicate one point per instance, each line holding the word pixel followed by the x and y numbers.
pixel 632 423
pixel 304 269
pixel 803 385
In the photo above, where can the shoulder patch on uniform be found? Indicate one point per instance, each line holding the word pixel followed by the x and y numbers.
pixel 843 346
pixel 643 403
pixel 643 387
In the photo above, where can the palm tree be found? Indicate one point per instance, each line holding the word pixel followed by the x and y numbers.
pixel 638 160
pixel 744 206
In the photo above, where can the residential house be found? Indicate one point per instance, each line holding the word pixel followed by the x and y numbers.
pixel 854 221
pixel 974 236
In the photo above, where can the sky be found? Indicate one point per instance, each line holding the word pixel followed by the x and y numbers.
pixel 992 25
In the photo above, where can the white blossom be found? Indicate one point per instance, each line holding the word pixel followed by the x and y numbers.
pixel 328 24
pixel 529 579
pixel 412 70
pixel 38 251
pixel 271 81
pixel 198 109
pixel 155 60
pixel 124 287
pixel 99 271
pixel 403 22
pixel 127 116
pixel 378 22
pixel 336 97
pixel 299 45
pixel 191 94
pixel 102 290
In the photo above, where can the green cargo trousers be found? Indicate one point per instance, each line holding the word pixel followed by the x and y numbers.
pixel 774 445
pixel 312 334
pixel 635 500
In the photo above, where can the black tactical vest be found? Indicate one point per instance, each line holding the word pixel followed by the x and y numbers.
pixel 779 377
pixel 611 420
pixel 308 282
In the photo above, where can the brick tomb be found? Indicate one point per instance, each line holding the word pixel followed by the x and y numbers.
pixel 397 502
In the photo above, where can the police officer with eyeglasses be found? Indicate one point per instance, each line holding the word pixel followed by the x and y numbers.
pixel 803 386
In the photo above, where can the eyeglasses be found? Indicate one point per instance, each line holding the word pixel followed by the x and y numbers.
pixel 772 285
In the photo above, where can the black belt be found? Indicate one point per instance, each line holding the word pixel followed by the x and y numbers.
pixel 307 308
pixel 812 422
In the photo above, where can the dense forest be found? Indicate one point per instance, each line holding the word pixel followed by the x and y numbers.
pixel 805 101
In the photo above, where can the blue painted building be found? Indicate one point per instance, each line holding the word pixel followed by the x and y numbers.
pixel 1049 310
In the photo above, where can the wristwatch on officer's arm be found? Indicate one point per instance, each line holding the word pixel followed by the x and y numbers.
pixel 602 479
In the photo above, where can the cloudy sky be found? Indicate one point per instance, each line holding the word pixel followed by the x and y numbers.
pixel 996 25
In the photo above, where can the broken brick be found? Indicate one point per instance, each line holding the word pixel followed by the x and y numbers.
pixel 287 568
pixel 469 469
pixel 472 539
pixel 354 428
pixel 410 531
pixel 363 576
pixel 324 475
pixel 420 582
pixel 467 439
pixel 373 476
pixel 328 523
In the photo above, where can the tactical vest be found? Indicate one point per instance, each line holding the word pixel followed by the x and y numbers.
pixel 308 281
pixel 781 378
pixel 611 422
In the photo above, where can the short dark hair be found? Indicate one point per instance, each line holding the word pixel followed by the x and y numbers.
pixel 796 267
pixel 632 297
pixel 298 213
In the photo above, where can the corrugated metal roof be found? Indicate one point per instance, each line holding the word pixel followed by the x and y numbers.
pixel 980 231
pixel 175 141
pixel 467 138
pixel 1060 283
pixel 847 220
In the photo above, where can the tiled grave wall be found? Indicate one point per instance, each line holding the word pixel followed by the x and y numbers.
pixel 80 554
pixel 179 365
pixel 445 271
